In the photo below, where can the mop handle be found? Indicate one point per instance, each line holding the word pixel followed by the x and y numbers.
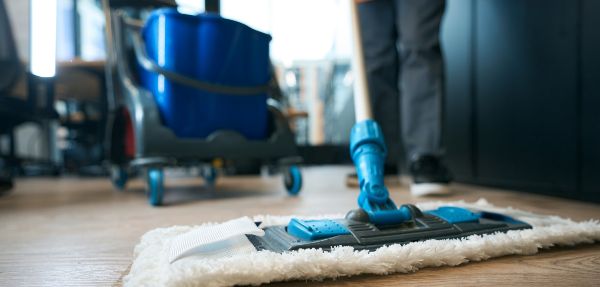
pixel 362 101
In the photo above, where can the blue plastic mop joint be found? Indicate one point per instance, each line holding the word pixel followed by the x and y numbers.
pixel 368 151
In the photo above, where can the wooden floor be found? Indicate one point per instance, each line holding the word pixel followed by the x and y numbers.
pixel 80 232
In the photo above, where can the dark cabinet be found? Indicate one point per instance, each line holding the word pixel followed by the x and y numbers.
pixel 590 99
pixel 457 47
pixel 523 83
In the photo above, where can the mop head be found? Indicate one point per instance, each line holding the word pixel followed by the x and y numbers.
pixel 155 263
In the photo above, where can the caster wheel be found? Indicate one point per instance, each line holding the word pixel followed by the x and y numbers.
pixel 119 177
pixel 210 176
pixel 292 178
pixel 155 186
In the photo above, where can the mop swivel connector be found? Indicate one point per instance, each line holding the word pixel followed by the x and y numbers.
pixel 368 151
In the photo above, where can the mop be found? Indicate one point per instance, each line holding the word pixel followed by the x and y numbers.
pixel 376 238
pixel 222 255
pixel 378 221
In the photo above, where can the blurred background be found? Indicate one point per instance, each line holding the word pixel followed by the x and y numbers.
pixel 522 82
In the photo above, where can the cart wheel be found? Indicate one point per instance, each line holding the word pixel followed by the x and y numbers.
pixel 292 178
pixel 210 175
pixel 119 177
pixel 155 186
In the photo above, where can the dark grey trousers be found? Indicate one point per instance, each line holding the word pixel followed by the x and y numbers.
pixel 405 68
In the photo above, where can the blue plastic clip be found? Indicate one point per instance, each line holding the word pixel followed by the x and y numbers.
pixel 455 214
pixel 315 229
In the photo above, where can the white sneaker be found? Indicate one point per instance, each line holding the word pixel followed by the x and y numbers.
pixel 429 176
pixel 429 188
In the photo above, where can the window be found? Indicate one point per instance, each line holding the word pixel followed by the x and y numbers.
pixel 311 50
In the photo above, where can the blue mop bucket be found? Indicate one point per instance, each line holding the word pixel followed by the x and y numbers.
pixel 214 50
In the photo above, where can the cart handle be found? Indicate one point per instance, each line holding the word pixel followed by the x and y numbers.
pixel 150 65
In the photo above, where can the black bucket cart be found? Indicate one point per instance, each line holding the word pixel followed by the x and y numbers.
pixel 137 139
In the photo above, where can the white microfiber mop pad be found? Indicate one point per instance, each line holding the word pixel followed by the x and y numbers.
pixel 151 265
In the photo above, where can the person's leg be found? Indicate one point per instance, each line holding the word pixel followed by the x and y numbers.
pixel 422 90
pixel 379 38
pixel 421 75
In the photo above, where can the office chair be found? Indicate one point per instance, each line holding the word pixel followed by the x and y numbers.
pixel 13 110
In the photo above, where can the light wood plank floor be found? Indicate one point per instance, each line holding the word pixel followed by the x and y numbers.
pixel 80 232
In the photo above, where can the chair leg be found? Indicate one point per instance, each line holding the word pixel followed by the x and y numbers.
pixel 6 182
pixel 11 145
